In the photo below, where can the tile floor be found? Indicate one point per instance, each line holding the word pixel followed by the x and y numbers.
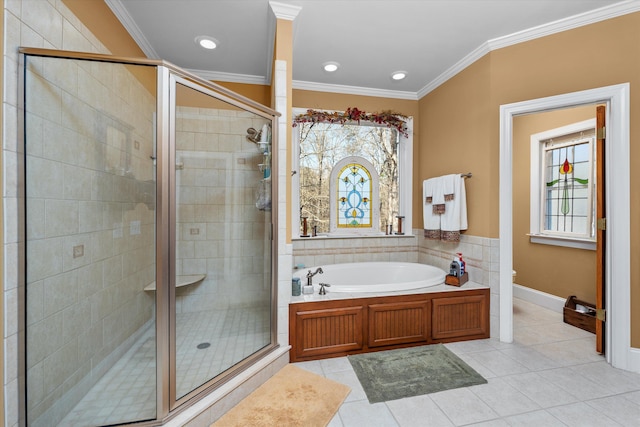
pixel 549 376
pixel 127 391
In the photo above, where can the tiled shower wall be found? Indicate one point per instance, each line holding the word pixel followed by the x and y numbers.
pixel 220 231
pixel 31 24
pixel 481 255
pixel 90 225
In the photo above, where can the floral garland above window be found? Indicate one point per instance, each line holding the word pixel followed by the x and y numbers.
pixel 387 118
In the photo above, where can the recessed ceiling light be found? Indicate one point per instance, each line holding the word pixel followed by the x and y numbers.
pixel 207 42
pixel 330 67
pixel 398 75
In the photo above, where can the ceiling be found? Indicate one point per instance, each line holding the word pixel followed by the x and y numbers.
pixel 429 39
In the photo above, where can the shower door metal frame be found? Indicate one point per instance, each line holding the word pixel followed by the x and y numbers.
pixel 167 75
pixel 169 157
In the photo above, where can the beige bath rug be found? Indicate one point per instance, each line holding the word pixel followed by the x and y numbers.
pixel 292 397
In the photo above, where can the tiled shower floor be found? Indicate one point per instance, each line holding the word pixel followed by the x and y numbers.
pixel 127 391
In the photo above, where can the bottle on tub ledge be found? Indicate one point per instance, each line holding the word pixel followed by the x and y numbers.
pixel 457 275
pixel 454 268
pixel 463 265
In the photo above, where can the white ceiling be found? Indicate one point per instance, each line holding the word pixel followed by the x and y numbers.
pixel 430 39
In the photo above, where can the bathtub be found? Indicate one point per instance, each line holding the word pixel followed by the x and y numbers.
pixel 374 276
pixel 373 306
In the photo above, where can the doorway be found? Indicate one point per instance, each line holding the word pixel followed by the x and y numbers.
pixel 617 345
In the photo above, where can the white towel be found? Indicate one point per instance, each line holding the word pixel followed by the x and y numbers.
pixel 430 219
pixel 454 218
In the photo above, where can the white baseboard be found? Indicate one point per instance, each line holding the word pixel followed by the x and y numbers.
pixel 540 298
pixel 634 360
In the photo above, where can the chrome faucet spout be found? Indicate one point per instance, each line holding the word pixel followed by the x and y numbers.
pixel 310 275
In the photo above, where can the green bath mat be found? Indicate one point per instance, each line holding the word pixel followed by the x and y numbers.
pixel 394 374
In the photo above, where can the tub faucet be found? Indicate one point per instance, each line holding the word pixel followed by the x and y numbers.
pixel 322 290
pixel 310 275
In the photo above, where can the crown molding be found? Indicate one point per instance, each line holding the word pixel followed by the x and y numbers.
pixel 540 31
pixel 290 12
pixel 230 77
pixel 353 90
pixel 570 23
pixel 121 12
pixel 472 57
pixel 284 11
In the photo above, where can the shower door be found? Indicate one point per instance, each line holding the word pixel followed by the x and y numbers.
pixel 222 236
pixel 90 242
pixel 148 238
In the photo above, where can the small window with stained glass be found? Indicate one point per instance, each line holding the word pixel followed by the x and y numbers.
pixel 567 185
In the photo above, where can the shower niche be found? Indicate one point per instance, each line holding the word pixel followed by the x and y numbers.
pixel 148 261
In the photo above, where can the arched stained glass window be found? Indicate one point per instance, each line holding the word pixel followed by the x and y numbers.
pixel 354 196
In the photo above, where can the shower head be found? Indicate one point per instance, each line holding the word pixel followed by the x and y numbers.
pixel 253 135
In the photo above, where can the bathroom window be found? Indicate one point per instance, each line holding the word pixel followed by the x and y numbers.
pixel 354 195
pixel 319 147
pixel 563 184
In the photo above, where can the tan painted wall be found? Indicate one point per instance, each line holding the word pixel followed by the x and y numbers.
pixel 259 93
pixel 97 16
pixel 556 270
pixel 463 113
pixel 456 124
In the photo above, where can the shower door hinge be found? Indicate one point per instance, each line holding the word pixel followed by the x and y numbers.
pixel 602 133
pixel 602 224
pixel 601 314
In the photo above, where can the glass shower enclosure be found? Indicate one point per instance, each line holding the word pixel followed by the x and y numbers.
pixel 148 233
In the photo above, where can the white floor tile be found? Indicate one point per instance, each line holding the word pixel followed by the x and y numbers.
pixel 581 386
pixel 571 352
pixel 361 413
pixel 504 399
pixel 582 415
pixel 530 358
pixel 472 346
pixel 619 409
pixel 462 406
pixel 335 364
pixel 418 411
pixel 540 390
pixel 605 375
pixel 492 423
pixel 634 397
pixel 535 419
pixel 498 363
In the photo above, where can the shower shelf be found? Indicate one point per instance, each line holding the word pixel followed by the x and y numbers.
pixel 192 279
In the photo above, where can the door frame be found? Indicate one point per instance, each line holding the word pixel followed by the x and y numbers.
pixel 618 351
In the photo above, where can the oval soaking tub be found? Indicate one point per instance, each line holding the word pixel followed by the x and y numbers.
pixel 374 276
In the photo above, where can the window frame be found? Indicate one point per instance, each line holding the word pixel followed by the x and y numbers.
pixel 405 181
pixel 537 232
